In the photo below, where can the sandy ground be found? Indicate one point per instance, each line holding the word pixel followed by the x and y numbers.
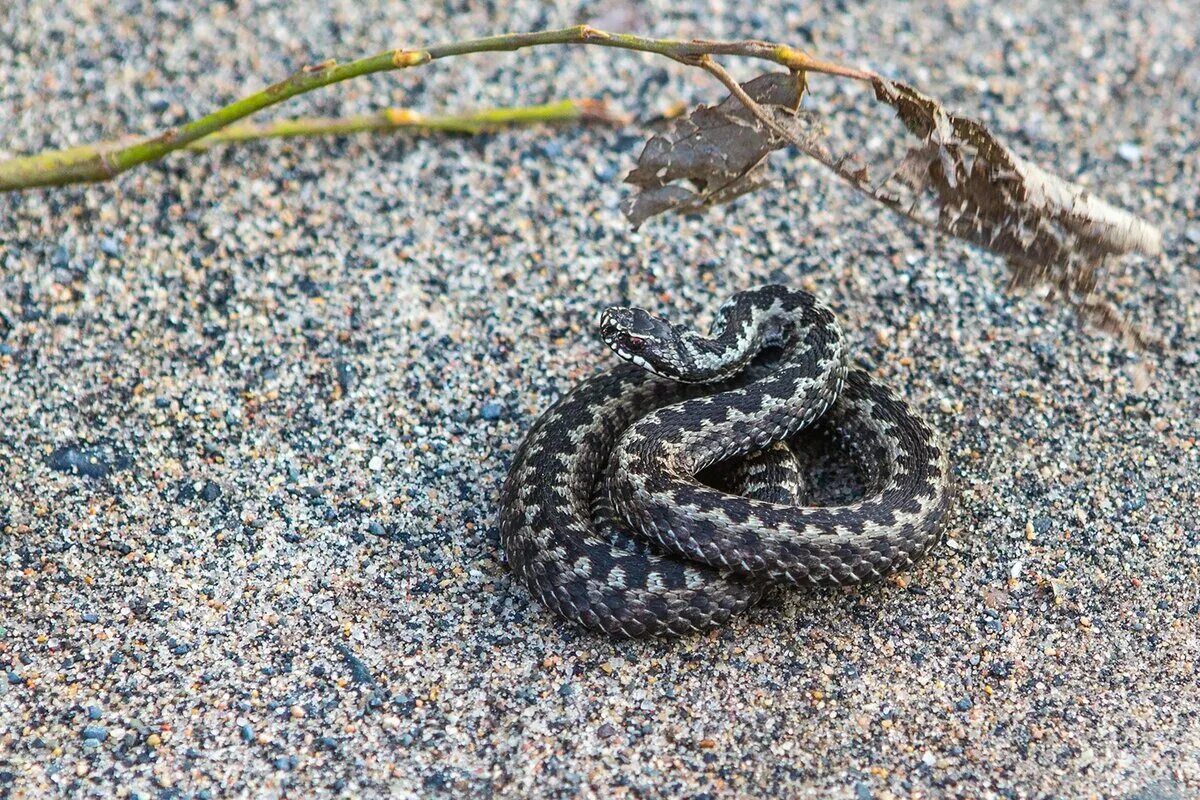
pixel 257 405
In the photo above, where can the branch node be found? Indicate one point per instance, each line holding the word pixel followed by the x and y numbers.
pixel 588 33
pixel 104 156
pixel 409 58
pixel 401 116
pixel 792 58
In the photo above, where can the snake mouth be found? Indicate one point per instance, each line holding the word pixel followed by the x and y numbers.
pixel 607 325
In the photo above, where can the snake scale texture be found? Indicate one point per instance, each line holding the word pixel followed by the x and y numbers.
pixel 603 515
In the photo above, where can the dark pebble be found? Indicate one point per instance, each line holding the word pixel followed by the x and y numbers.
pixel 966 704
pixel 1000 669
pixel 87 461
pixel 491 411
pixel 210 492
pixel 95 732
pixel 247 733
pixel 345 376
pixel 90 617
pixel 308 286
pixel 606 731
pixel 358 670
pixel 94 712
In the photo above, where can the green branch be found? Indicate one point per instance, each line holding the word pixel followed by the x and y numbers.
pixel 91 163
pixel 395 119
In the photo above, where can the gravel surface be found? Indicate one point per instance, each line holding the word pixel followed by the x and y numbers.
pixel 257 405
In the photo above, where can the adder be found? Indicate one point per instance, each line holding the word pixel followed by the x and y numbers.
pixel 602 514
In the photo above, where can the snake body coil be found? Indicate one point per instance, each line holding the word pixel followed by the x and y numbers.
pixel 602 515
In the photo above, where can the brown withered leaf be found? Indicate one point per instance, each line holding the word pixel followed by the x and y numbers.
pixel 717 153
pixel 962 180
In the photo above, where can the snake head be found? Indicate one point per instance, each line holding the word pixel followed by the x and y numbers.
pixel 642 338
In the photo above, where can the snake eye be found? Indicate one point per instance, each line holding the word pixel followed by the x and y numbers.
pixel 635 342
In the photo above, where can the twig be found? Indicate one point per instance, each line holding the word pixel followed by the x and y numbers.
pixel 92 163
pixel 395 119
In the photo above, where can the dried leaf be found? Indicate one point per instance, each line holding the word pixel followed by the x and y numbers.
pixel 962 180
pixel 717 153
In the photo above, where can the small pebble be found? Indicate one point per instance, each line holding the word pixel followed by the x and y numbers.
pixel 1129 152
pixel 95 732
pixel 89 462
pixel 110 247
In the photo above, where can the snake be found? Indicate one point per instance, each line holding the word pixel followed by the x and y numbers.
pixel 664 495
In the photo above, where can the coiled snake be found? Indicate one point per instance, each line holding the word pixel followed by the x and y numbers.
pixel 603 517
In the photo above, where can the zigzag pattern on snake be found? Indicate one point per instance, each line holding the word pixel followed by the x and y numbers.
pixel 602 515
